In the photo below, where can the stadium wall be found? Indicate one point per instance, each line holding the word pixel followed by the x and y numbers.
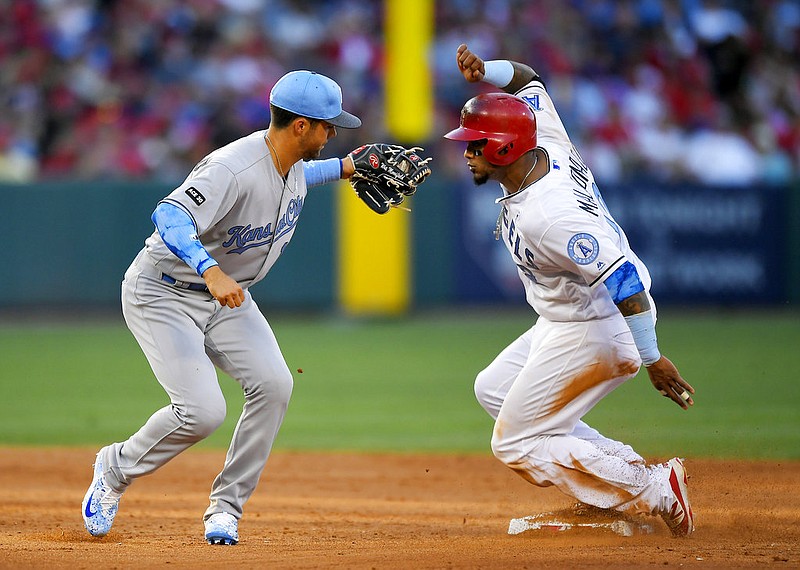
pixel 69 243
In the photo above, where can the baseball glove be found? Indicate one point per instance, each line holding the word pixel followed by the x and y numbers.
pixel 385 174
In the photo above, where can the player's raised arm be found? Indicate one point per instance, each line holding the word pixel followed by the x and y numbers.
pixel 510 76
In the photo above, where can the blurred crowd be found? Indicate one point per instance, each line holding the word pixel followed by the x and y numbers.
pixel 698 90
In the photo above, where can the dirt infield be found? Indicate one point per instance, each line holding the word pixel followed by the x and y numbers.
pixel 316 510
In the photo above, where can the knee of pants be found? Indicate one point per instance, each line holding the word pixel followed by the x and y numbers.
pixel 506 446
pixel 281 388
pixel 483 393
pixel 276 387
pixel 204 418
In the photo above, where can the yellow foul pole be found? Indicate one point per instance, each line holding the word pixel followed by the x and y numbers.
pixel 375 250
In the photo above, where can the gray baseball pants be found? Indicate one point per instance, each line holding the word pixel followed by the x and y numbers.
pixel 184 335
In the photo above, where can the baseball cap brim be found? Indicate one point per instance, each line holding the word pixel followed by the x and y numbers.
pixel 345 120
pixel 313 95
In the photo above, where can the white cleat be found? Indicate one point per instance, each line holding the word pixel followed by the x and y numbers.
pixel 100 503
pixel 222 528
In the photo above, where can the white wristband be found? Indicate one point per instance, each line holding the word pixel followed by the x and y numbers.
pixel 498 72
pixel 643 329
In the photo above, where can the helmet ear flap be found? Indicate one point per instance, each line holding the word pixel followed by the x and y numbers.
pixel 506 149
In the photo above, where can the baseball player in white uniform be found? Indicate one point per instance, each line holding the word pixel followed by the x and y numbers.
pixel 596 322
pixel 185 298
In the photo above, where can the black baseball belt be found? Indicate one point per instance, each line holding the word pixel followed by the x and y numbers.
pixel 184 284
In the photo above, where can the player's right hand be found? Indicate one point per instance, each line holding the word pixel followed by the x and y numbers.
pixel 225 290
pixel 668 381
pixel 469 64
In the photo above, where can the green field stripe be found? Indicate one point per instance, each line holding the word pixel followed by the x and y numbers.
pixel 406 385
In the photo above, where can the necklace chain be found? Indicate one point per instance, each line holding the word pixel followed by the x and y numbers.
pixel 499 225
pixel 535 162
pixel 278 160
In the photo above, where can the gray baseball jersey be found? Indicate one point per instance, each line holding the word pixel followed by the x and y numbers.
pixel 244 212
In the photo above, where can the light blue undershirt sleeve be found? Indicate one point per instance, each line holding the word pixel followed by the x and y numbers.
pixel 322 171
pixel 179 233
pixel 623 283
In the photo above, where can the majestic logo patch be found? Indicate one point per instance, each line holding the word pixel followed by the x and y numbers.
pixel 196 196
pixel 583 248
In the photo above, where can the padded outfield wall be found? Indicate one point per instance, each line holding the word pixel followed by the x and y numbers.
pixel 68 243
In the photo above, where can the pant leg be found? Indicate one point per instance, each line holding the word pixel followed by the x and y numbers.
pixel 243 345
pixel 570 368
pixel 493 382
pixel 607 445
pixel 168 325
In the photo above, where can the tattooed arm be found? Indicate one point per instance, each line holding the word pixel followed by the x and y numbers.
pixel 663 374
pixel 636 303
pixel 628 293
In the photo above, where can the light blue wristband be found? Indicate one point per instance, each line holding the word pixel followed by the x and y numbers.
pixel 643 329
pixel 322 171
pixel 498 72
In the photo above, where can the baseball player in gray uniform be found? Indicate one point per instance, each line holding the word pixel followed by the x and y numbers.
pixel 596 322
pixel 185 298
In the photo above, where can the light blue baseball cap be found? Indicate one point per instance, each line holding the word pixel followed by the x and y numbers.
pixel 312 95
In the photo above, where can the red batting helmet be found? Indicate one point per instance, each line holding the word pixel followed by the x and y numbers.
pixel 506 121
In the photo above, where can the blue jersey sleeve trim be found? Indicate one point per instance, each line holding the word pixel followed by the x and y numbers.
pixel 322 171
pixel 623 282
pixel 179 234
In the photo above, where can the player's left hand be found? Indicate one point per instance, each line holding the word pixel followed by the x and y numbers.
pixel 667 380
pixel 384 174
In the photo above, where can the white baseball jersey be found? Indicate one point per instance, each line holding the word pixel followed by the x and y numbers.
pixel 565 244
pixel 558 230
pixel 244 212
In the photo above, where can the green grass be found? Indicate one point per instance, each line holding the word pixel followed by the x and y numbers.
pixel 406 385
pixel 746 377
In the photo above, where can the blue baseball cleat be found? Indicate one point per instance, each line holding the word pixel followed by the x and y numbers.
pixel 100 503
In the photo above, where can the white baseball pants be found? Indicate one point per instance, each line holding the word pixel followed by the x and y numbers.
pixel 540 387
